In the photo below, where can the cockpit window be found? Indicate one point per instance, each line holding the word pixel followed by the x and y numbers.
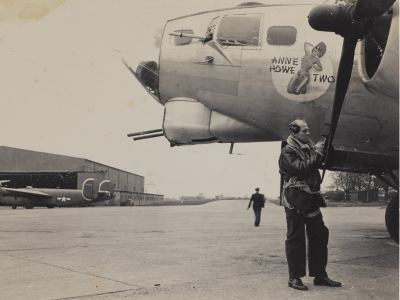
pixel 239 30
pixel 281 35
pixel 180 41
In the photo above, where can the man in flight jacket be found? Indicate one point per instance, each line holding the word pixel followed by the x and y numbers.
pixel 299 162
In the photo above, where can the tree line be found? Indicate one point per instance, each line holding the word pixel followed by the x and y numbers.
pixel 348 182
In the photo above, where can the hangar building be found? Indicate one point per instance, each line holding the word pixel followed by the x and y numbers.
pixel 44 170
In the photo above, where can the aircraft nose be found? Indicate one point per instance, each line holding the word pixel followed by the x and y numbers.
pixel 148 75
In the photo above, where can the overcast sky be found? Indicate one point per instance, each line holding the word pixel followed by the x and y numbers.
pixel 65 91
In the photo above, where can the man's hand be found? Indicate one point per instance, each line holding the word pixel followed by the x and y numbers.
pixel 248 208
pixel 320 146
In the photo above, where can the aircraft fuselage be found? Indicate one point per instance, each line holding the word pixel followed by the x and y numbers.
pixel 261 68
pixel 58 198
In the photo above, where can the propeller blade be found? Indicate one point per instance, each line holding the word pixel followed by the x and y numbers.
pixel 342 84
pixel 371 8
pixel 340 19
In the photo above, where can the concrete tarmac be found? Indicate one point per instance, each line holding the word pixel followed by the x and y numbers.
pixel 210 251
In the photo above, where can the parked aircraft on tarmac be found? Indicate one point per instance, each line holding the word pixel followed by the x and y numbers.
pixel 29 197
pixel 242 74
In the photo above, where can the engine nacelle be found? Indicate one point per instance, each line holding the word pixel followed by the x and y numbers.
pixel 189 122
pixel 381 76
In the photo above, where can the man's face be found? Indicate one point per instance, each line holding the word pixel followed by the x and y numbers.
pixel 315 52
pixel 304 132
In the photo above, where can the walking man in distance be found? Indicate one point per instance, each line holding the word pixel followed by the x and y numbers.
pixel 258 203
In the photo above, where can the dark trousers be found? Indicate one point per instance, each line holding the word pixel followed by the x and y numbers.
pixel 257 212
pixel 318 236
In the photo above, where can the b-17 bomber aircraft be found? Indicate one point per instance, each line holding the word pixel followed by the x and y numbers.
pixel 29 197
pixel 242 74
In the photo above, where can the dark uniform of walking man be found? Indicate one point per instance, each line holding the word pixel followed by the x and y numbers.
pixel 298 163
pixel 258 203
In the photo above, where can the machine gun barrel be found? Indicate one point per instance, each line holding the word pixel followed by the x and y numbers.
pixel 144 132
pixel 148 136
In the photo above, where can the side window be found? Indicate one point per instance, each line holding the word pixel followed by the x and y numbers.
pixel 181 41
pixel 239 30
pixel 281 35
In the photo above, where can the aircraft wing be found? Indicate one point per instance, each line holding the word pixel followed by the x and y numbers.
pixel 28 193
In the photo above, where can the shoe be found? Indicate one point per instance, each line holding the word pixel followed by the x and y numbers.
pixel 297 284
pixel 327 282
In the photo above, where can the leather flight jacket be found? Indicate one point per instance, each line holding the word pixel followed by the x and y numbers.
pixel 302 181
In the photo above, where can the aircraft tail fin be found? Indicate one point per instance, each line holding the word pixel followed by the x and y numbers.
pixel 3 181
pixel 90 189
pixel 106 189
pixel 93 190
